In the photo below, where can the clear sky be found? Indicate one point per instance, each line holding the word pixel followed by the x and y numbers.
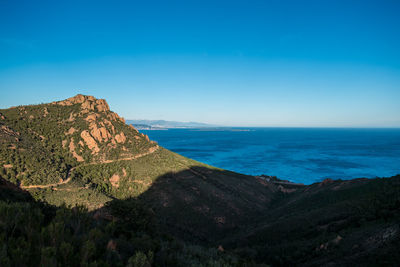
pixel 237 63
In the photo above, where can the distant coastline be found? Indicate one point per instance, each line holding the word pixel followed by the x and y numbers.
pixel 164 125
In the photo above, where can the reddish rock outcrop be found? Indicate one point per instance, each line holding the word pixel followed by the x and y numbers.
pixel 64 143
pixel 101 105
pixel 90 104
pixel 120 138
pixel 45 112
pixel 87 103
pixel 114 180
pixel 70 131
pixel 71 117
pixel 100 134
pixel 74 154
pixel 72 100
pixel 114 117
pixel 91 117
pixel 109 125
pixel 90 142
pixel 104 133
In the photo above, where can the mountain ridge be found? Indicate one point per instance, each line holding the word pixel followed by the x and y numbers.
pixel 169 124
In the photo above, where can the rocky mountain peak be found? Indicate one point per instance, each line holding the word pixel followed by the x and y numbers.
pixel 87 103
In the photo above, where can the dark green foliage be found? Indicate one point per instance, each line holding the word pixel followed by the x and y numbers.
pixel 10 192
pixel 35 154
pixel 132 215
pixel 340 222
pixel 72 237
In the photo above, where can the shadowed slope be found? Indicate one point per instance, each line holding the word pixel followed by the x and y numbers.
pixel 36 234
pixel 205 204
pixel 335 223
pixel 11 192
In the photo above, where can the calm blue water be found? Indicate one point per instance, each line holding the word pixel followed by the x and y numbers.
pixel 304 155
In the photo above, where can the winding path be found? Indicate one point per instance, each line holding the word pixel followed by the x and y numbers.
pixel 48 185
pixel 69 178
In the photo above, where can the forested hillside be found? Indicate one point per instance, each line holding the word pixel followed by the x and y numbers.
pixel 122 234
pixel 80 187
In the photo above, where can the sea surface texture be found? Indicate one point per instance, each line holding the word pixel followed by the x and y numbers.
pixel 304 155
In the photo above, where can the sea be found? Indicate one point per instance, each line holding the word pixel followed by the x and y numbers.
pixel 301 155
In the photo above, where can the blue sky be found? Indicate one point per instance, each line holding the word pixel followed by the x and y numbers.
pixel 236 63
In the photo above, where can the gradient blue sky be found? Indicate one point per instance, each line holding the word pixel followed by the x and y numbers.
pixel 236 63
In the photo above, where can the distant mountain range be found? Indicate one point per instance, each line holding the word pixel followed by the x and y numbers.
pixel 162 124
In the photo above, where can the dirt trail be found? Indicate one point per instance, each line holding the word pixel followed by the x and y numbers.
pixel 151 150
pixel 68 178
pixel 47 185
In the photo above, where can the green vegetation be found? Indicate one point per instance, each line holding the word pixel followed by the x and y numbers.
pixel 37 142
pixel 36 234
pixel 134 176
pixel 100 193
pixel 337 223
